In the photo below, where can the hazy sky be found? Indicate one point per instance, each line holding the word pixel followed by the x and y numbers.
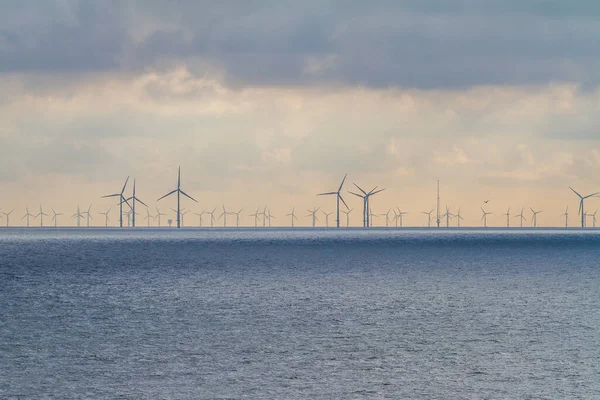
pixel 270 102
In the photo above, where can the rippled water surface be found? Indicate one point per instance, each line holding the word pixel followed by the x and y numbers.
pixel 282 314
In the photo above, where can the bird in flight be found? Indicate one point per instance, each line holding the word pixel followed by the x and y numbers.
pixel 486 201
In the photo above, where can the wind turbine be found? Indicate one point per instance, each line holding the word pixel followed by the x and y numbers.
pixel 256 216
pixel 313 213
pixel 105 217
pixel 594 219
pixel 135 199
pixel 521 216
pixel 448 216
pixel 484 217
pixel 158 214
pixel 581 208
pixel 428 216
pixel 508 217
pixel 367 215
pixel 200 217
pixel 237 217
pixel 292 215
pixel 55 214
pixel 347 212
pixel 371 216
pixel 458 217
pixel 224 216
pixel 27 215
pixel 42 214
pixel 89 215
pixel 182 212
pixel 148 216
pixel 535 213
pixel 326 218
pixel 401 214
pixel 179 193
pixel 212 217
pixel 338 198
pixel 122 200
pixel 566 214
pixel 78 216
pixel 264 215
pixel 269 216
pixel 387 218
pixel 7 215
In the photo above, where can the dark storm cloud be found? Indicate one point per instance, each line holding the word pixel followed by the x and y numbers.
pixel 424 44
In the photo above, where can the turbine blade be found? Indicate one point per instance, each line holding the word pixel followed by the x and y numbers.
pixel 326 194
pixel 141 202
pixel 168 194
pixel 188 196
pixel 359 188
pixel 125 185
pixel 342 184
pixel 342 199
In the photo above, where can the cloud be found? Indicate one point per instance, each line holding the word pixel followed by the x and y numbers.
pixel 409 44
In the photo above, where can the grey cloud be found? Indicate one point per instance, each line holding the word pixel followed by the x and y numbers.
pixel 424 44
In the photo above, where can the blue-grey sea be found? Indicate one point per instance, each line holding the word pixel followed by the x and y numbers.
pixel 299 314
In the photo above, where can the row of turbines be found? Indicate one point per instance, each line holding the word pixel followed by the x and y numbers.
pixel 264 217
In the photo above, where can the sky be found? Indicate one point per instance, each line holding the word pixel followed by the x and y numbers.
pixel 267 103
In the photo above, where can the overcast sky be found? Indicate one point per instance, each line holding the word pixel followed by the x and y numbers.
pixel 269 102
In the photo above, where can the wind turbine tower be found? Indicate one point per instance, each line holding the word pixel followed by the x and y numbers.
pixel 105 217
pixel 535 213
pixel 521 216
pixel 338 198
pixel 313 213
pixel 347 212
pixel 179 193
pixel 42 214
pixel 581 208
pixel 292 216
pixel 566 215
pixel 158 214
pixel 438 204
pixel 508 217
pixel 7 215
pixel 122 200
pixel 27 215
pixel 78 217
pixel 428 216
pixel 484 217
pixel 54 216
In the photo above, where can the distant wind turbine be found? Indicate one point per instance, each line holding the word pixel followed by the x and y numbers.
pixel 179 193
pixel 347 212
pixel 269 216
pixel 508 217
pixel 134 199
pixel 7 215
pixel 158 214
pixel 535 213
pixel 313 213
pixel 581 207
pixel 484 217
pixel 41 214
pixel 224 216
pixel 326 218
pixel 122 200
pixel 212 217
pixel 566 215
pixel 428 213
pixel 78 215
pixel 200 214
pixel 594 218
pixel 148 216
pixel 521 216
pixel 89 215
pixel 367 215
pixel 458 217
pixel 448 215
pixel 27 215
pixel 105 216
pixel 338 198
pixel 54 216
pixel 237 216
pixel 292 216
pixel 256 216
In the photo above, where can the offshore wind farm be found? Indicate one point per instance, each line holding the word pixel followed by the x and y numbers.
pixel 126 201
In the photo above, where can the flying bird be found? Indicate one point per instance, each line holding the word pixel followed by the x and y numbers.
pixel 486 201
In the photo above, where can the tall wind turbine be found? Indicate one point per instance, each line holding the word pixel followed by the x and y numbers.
pixel 338 198
pixel 347 212
pixel 237 216
pixel 78 216
pixel 458 217
pixel 158 214
pixel 224 216
pixel 535 213
pixel 508 217
pixel 212 217
pixel 367 215
pixel 521 216
pixel 326 218
pixel 448 216
pixel 27 215
pixel 581 208
pixel 313 213
pixel 428 213
pixel 269 216
pixel 566 215
pixel 135 199
pixel 54 216
pixel 105 217
pixel 89 215
pixel 122 200
pixel 292 216
pixel 148 216
pixel 179 193
pixel 401 215
pixel 41 214
pixel 256 216
pixel 7 215
pixel 484 217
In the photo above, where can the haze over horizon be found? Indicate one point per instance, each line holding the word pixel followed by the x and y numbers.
pixel 271 102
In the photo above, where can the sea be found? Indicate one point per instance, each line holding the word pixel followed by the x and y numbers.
pixel 299 314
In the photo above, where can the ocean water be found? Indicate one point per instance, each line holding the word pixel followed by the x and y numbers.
pixel 303 314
